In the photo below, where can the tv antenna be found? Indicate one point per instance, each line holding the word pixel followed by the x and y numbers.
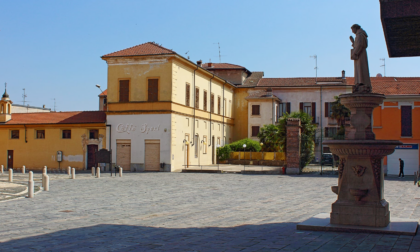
pixel 220 56
pixel 316 67
pixel 383 59
pixel 187 54
pixel 24 97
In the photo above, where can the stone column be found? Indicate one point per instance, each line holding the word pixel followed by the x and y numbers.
pixel 121 171
pixel 73 173
pixel 10 175
pixel 31 185
pixel 98 172
pixel 23 169
pixel 293 146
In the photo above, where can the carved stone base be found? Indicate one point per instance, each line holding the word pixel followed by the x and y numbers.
pixel 372 215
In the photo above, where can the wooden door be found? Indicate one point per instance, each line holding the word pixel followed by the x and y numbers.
pixel 153 89
pixel 124 155
pixel 10 159
pixel 91 156
pixel 152 155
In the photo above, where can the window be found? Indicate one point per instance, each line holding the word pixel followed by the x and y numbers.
pixel 187 95
pixel 218 105
pixel 14 134
pixel 124 90
pixel 196 145
pixel 66 134
pixel 205 100
pixel 284 108
pixel 40 134
pixel 93 134
pixel 153 88
pixel 328 109
pixel 212 103
pixel 308 108
pixel 255 109
pixel 406 121
pixel 205 144
pixel 330 131
pixel 255 130
pixel 105 100
pixel 197 98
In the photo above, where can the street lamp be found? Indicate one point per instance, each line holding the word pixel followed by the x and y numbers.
pixel 99 88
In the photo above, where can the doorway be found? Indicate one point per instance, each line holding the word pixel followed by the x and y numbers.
pixel 124 154
pixel 92 148
pixel 10 159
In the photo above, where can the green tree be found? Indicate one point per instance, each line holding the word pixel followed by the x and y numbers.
pixel 307 135
pixel 270 137
pixel 340 113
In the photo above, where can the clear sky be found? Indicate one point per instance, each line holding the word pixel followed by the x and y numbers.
pixel 53 48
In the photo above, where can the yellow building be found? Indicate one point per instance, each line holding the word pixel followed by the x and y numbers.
pixel 33 139
pixel 164 111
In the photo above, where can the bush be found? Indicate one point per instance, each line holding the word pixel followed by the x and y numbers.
pixel 269 136
pixel 223 153
pixel 251 145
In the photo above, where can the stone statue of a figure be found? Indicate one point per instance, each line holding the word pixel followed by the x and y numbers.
pixel 359 55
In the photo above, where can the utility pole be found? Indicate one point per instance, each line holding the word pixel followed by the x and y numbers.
pixel 383 59
pixel 316 67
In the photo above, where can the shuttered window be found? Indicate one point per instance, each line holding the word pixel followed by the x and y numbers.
pixel 328 109
pixel 255 130
pixel 212 103
pixel 255 109
pixel 406 121
pixel 66 134
pixel 218 105
pixel 124 90
pixel 187 95
pixel 308 108
pixel 153 88
pixel 205 100
pixel 197 98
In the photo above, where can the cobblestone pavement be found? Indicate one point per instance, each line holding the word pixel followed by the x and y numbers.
pixel 191 212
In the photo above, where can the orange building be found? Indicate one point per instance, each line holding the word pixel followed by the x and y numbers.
pixel 398 118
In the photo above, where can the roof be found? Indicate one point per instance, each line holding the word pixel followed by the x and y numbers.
pixel 149 48
pixel 58 117
pixel 296 82
pixel 104 93
pixel 253 79
pixel 222 66
pixel 262 94
pixel 394 85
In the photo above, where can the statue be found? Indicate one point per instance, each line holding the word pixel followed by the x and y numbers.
pixel 359 55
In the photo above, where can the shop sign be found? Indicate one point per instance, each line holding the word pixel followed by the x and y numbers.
pixel 144 128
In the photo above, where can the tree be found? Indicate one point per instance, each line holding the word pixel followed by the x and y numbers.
pixel 307 135
pixel 269 136
pixel 340 113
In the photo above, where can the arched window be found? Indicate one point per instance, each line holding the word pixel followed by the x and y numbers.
pixel 2 109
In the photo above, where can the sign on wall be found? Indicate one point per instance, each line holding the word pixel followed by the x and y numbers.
pixel 129 127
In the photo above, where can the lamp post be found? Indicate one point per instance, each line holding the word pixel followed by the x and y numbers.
pixel 244 154
pixel 261 144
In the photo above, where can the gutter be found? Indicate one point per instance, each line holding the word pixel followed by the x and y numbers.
pixel 26 141
pixel 210 112
pixel 224 109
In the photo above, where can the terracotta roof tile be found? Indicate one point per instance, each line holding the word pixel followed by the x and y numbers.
pixel 58 117
pixel 222 66
pixel 262 94
pixel 104 93
pixel 148 48
pixel 294 82
pixel 395 85
pixel 253 79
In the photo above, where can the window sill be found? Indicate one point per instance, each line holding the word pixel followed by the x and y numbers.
pixel 377 127
pixel 407 137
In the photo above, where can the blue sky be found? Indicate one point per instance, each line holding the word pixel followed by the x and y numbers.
pixel 53 48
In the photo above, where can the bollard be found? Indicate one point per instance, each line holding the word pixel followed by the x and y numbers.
pixel 45 168
pixel 31 185
pixel 93 171
pixel 73 173
pixel 23 169
pixel 121 170
pixel 2 167
pixel 43 180
pixel 69 170
pixel 47 183
pixel 10 175
pixel 98 172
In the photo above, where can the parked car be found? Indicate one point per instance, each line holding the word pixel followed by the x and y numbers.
pixel 327 158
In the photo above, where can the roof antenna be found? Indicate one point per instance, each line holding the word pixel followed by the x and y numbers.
pixel 383 59
pixel 220 56
pixel 24 97
pixel 187 54
pixel 316 67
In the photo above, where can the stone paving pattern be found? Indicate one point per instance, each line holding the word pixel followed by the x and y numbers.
pixel 191 212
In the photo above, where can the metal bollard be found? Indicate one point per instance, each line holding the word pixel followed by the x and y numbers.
pixel 121 171
pixel 73 173
pixel 2 167
pixel 10 175
pixel 98 172
pixel 31 185
pixel 47 183
pixel 93 171
pixel 23 169
pixel 69 170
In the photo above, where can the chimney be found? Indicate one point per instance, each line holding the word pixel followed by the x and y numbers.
pixel 43 106
pixel 343 74
pixel 210 64
pixel 269 92
pixel 199 63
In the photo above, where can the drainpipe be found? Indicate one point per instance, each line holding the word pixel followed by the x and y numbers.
pixel 210 112
pixel 224 109
pixel 320 118
pixel 25 134
pixel 194 109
